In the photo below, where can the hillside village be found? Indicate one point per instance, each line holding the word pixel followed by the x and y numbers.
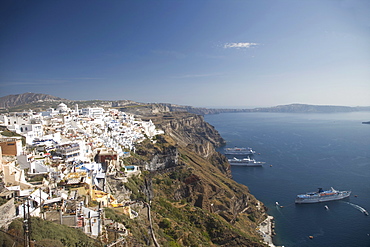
pixel 60 171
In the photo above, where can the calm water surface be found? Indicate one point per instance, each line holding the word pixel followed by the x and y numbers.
pixel 302 153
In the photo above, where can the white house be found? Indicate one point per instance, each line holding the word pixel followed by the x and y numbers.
pixel 92 224
pixel 14 176
pixel 95 112
pixel 30 131
pixel 38 167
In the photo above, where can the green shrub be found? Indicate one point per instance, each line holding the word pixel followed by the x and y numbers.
pixel 165 223
pixel 51 234
pixel 136 185
pixel 113 215
pixel 252 218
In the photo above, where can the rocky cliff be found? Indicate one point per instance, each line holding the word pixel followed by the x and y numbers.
pixel 190 130
pixel 194 201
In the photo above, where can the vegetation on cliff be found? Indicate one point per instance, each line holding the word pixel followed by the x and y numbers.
pixel 192 197
pixel 46 234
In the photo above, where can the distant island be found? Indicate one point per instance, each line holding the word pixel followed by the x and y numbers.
pixel 291 108
pixel 25 101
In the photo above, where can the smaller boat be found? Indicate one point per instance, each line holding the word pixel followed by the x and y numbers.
pixel 239 151
pixel 326 207
pixel 245 162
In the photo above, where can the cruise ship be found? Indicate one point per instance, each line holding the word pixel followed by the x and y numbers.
pixel 322 196
pixel 245 162
pixel 239 151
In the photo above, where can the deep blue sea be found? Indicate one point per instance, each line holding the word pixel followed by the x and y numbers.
pixel 302 153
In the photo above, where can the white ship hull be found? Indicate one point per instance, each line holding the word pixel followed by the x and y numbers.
pixel 239 151
pixel 245 162
pixel 249 165
pixel 322 196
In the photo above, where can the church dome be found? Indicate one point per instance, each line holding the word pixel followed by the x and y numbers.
pixel 62 107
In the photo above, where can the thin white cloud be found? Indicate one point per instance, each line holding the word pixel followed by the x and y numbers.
pixel 240 45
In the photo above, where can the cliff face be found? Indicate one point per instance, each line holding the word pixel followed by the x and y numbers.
pixel 191 130
pixel 194 201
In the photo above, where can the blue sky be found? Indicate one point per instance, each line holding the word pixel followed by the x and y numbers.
pixel 231 53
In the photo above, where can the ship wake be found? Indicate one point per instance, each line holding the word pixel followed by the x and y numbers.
pixel 361 209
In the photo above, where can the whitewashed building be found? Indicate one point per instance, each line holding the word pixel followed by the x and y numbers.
pixel 95 112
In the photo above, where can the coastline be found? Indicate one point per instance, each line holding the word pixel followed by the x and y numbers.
pixel 266 229
pixel 251 131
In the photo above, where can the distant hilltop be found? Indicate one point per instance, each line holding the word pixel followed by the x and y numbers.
pixel 303 108
pixel 10 101
pixel 33 100
pixel 292 108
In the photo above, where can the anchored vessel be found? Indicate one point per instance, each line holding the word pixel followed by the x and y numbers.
pixel 245 162
pixel 322 196
pixel 239 151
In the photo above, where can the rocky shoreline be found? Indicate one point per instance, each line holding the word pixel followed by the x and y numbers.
pixel 266 229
